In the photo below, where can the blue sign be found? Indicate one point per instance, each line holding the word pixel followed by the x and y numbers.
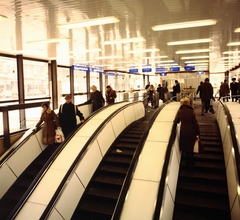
pixel 133 71
pixel 160 69
pixel 80 68
pixel 187 68
pixel 146 70
pixel 174 68
pixel 200 73
pixel 111 73
pixel 163 74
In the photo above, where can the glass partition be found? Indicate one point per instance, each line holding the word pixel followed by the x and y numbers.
pixel 63 77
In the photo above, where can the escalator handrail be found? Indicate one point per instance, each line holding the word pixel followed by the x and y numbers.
pixel 234 139
pixel 77 159
pixel 129 175
pixel 46 166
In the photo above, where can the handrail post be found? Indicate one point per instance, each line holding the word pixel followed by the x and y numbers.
pixel 6 134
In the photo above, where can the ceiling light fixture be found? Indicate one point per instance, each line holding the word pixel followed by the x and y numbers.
pixel 205 40
pixel 233 44
pixel 237 30
pixel 108 57
pixel 196 57
pixel 125 40
pixel 197 61
pixel 166 61
pixel 231 52
pixel 144 50
pixel 192 51
pixel 48 41
pixel 198 64
pixel 89 22
pixel 155 57
pixel 187 24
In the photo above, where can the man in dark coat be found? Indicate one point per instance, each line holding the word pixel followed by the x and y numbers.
pixel 234 89
pixel 110 95
pixel 189 129
pixel 176 90
pixel 206 95
pixel 67 116
pixel 224 90
pixel 96 99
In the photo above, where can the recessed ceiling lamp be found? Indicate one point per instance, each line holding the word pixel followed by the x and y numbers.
pixel 231 52
pixel 143 51
pixel 237 30
pixel 196 57
pixel 108 57
pixel 89 22
pixel 48 41
pixel 197 61
pixel 233 44
pixel 125 40
pixel 205 40
pixel 192 51
pixel 155 57
pixel 2 17
pixel 187 24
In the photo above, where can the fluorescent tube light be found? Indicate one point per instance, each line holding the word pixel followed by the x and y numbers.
pixel 48 41
pixel 187 24
pixel 108 57
pixel 206 40
pixel 196 57
pixel 237 30
pixel 197 61
pixel 231 52
pixel 198 64
pixel 234 44
pixel 89 22
pixel 125 40
pixel 143 51
pixel 155 57
pixel 2 17
pixel 228 58
pixel 166 61
pixel 192 51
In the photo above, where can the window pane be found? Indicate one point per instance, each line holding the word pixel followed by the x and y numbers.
pixel 63 76
pixel 8 79
pixel 94 79
pixel 36 82
pixel 80 82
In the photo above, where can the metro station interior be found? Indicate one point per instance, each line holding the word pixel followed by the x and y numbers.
pixel 124 161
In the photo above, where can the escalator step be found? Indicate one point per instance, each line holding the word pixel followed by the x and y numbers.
pixel 119 158
pixel 114 168
pixel 125 145
pixel 100 190
pixel 122 151
pixel 109 179
pixel 129 140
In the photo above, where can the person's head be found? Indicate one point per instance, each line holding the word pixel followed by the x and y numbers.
pixel 176 82
pixel 159 85
pixel 201 82
pixel 93 88
pixel 233 79
pixel 185 101
pixel 68 98
pixel 225 80
pixel 108 88
pixel 206 80
pixel 45 106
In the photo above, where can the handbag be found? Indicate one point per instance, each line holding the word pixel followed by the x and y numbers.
pixel 59 136
pixel 198 146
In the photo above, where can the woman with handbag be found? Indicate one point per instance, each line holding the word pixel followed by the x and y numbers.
pixel 50 120
pixel 189 129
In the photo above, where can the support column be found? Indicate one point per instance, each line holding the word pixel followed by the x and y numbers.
pixel 53 74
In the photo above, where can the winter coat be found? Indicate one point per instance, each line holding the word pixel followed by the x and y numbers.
pixel 206 90
pixel 234 88
pixel 51 121
pixel 110 96
pixel 96 99
pixel 224 90
pixel 67 116
pixel 189 127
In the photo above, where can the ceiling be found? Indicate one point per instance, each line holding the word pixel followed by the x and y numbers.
pixel 26 25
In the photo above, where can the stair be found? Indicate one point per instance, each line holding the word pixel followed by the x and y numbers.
pixel 20 186
pixel 202 192
pixel 102 193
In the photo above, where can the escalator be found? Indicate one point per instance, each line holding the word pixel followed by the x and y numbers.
pixel 20 186
pixel 102 193
pixel 202 191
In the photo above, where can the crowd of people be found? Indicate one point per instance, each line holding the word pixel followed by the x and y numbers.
pixel 66 120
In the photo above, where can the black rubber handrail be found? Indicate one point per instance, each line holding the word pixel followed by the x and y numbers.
pixel 234 139
pixel 44 169
pixel 76 161
pixel 129 175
